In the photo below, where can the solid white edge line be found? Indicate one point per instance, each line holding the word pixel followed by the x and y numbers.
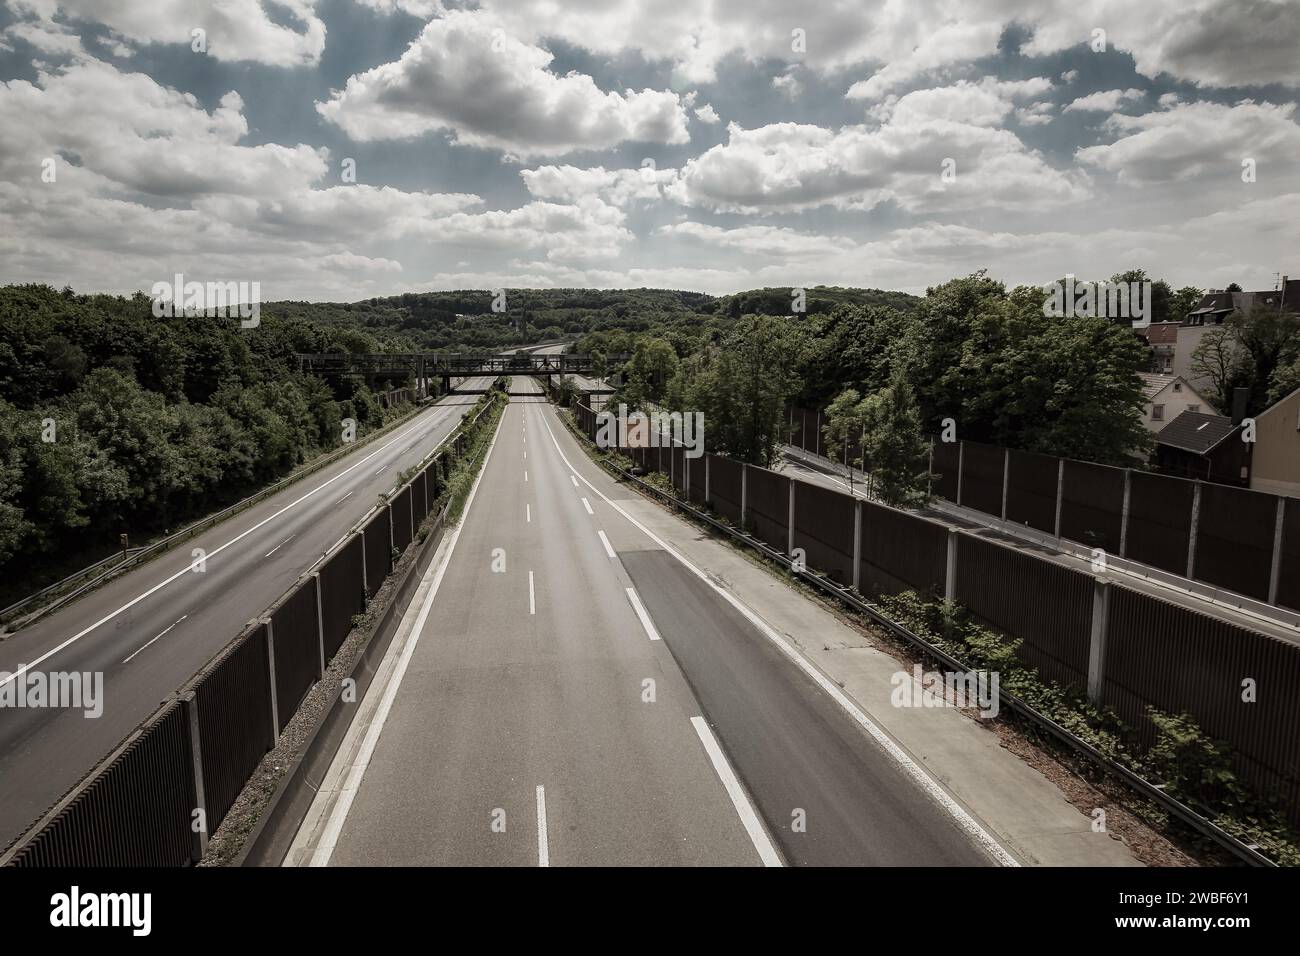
pixel 211 554
pixel 532 595
pixel 919 775
pixel 339 812
pixel 739 799
pixel 609 548
pixel 641 612
pixel 543 841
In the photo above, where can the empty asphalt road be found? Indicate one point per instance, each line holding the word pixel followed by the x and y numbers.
pixel 153 628
pixel 577 695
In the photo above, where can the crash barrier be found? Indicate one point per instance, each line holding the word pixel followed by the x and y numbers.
pixel 175 778
pixel 1126 649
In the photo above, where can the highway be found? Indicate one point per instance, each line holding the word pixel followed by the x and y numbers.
pixel 151 629
pixel 576 693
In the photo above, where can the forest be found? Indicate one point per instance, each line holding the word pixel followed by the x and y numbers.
pixel 112 420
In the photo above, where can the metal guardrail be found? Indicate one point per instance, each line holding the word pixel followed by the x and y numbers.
pixel 98 824
pixel 1247 853
pixel 140 555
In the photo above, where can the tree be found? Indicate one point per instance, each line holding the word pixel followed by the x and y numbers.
pixel 894 445
pixel 1183 301
pixel 845 421
pixel 1218 360
pixel 743 387
pixel 1247 351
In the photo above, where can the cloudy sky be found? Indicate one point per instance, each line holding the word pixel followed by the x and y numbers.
pixel 337 149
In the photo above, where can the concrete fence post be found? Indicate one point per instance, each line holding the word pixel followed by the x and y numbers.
pixel 365 580
pixel 1006 477
pixel 411 498
pixel 1275 569
pixel 1097 639
pixel 1123 513
pixel 961 467
pixel 950 570
pixel 707 500
pixel 1060 494
pixel 789 525
pixel 270 660
pixel 857 541
pixel 190 709
pixel 1191 532
pixel 392 541
pixel 929 472
pixel 744 493
pixel 817 434
pixel 320 626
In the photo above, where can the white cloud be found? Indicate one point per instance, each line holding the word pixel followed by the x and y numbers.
pixel 465 74
pixel 707 114
pixel 788 83
pixel 235 29
pixel 1200 139
pixel 774 241
pixel 785 167
pixel 1210 42
pixel 1104 101
pixel 617 187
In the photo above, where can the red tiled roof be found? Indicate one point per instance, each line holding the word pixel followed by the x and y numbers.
pixel 1162 333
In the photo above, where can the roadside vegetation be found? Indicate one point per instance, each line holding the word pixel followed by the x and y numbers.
pixel 1187 763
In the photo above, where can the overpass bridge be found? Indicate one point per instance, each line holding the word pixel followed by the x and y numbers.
pixel 424 366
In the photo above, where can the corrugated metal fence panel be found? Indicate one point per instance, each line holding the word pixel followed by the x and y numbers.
pixel 823 527
pixel 946 454
pixel 901 552
pixel 981 477
pixel 768 507
pixel 400 508
pixel 378 550
pixel 297 648
pixel 136 813
pixel 419 501
pixel 1234 539
pixel 1031 490
pixel 724 487
pixel 342 596
pixel 1047 606
pixel 678 467
pixel 1180 661
pixel 1159 521
pixel 1288 584
pixel 1092 505
pixel 696 474
pixel 234 701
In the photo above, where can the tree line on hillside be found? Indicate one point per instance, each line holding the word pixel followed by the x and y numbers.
pixel 113 420
pixel 971 350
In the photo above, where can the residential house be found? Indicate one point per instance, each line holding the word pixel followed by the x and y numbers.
pixel 1162 337
pixel 1213 309
pixel 1205 446
pixel 1275 461
pixel 1166 397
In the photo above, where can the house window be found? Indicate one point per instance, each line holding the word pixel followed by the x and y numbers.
pixel 1157 413
pixel 1178 386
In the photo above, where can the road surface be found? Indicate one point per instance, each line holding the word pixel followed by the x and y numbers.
pixel 578 695
pixel 153 628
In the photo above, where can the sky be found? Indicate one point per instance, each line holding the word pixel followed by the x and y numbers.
pixel 343 149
